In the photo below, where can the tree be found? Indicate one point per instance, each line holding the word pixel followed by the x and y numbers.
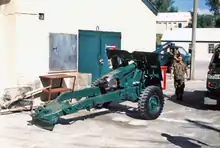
pixel 217 23
pixel 214 6
pixel 203 21
pixel 164 5
pixel 190 23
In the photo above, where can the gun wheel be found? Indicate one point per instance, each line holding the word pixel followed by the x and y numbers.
pixel 218 104
pixel 151 102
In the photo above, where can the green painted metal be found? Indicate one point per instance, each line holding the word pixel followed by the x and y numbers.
pixel 92 49
pixel 136 71
pixel 213 77
pixel 153 104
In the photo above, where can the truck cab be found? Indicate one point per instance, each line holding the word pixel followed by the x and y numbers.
pixel 166 58
pixel 212 95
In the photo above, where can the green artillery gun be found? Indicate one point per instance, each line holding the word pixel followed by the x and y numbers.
pixel 212 95
pixel 134 77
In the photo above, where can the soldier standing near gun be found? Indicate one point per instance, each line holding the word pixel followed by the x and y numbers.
pixel 174 52
pixel 179 69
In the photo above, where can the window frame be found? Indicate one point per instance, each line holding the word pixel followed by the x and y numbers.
pixel 211 48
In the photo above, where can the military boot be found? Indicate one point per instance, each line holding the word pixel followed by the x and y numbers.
pixel 178 93
pixel 180 97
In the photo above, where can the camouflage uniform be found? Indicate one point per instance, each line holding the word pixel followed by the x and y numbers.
pixel 179 70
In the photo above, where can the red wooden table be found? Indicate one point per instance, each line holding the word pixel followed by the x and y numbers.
pixel 59 89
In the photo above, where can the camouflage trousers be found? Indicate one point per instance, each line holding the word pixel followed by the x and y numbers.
pixel 179 88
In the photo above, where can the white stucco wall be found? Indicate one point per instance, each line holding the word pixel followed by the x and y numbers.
pixel 137 27
pixel 28 41
pixel 170 20
pixel 7 46
pixel 164 26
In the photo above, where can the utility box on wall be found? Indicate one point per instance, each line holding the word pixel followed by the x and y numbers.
pixel 63 52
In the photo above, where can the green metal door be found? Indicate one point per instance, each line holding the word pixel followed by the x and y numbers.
pixel 108 38
pixel 92 51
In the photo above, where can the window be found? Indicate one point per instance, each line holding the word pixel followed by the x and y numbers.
pixel 190 48
pixel 211 48
pixel 179 25
pixel 182 51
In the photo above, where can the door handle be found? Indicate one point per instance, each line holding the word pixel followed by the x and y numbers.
pixel 101 61
pixel 55 50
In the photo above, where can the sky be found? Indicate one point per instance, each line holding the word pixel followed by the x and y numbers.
pixel 187 5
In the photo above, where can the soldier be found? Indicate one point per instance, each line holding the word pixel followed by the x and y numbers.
pixel 179 69
pixel 174 52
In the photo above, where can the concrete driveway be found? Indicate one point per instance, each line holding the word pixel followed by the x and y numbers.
pixel 187 125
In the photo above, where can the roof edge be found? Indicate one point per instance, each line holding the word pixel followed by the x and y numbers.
pixel 151 6
pixel 189 41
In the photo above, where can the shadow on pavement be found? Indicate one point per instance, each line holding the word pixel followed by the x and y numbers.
pixel 84 117
pixel 184 142
pixel 193 99
pixel 113 108
pixel 203 125
pixel 128 110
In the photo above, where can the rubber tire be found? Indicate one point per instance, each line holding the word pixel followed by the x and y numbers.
pixel 144 99
pixel 218 104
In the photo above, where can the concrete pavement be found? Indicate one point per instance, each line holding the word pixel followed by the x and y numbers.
pixel 187 124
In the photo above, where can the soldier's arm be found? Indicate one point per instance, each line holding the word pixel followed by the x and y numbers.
pixel 175 55
pixel 186 71
pixel 171 70
pixel 175 58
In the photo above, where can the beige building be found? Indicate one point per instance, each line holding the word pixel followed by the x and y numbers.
pixel 206 40
pixel 172 20
pixel 25 26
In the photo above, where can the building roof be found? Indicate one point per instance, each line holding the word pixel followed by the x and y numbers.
pixel 185 35
pixel 174 16
pixel 150 6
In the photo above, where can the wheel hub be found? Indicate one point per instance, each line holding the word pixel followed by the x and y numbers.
pixel 154 104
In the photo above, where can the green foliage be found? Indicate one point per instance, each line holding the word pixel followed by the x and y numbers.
pixel 213 5
pixel 205 21
pixel 173 9
pixel 217 23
